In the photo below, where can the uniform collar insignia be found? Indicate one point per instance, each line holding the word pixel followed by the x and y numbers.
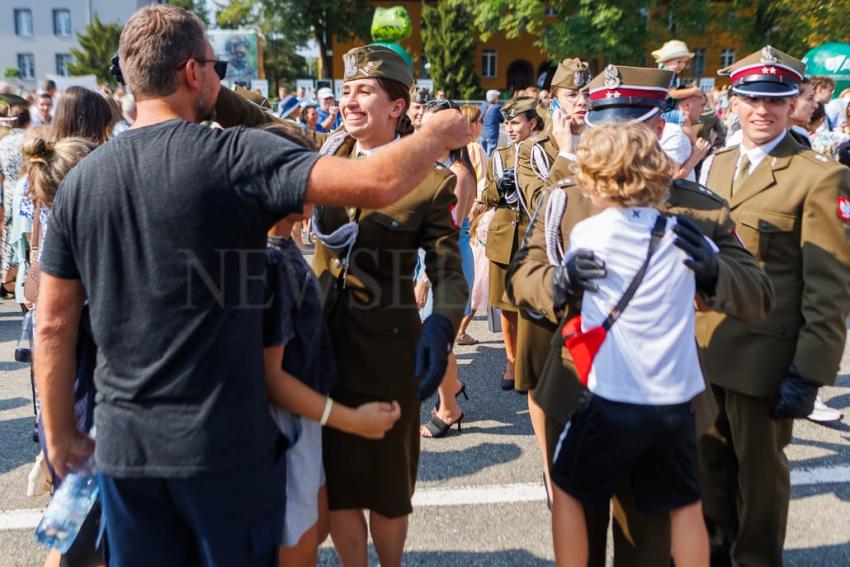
pixel 768 57
pixel 612 77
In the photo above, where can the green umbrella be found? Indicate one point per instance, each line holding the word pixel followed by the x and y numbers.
pixel 831 60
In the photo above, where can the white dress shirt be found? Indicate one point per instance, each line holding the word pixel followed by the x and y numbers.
pixel 757 153
pixel 677 146
pixel 649 356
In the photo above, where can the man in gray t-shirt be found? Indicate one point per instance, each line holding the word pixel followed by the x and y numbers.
pixel 163 231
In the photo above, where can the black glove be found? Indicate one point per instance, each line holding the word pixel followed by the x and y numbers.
pixel 703 258
pixel 576 276
pixel 796 398
pixel 506 183
pixel 432 353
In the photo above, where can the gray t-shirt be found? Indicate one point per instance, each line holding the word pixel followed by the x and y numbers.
pixel 166 228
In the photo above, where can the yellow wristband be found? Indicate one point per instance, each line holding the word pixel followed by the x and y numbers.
pixel 329 403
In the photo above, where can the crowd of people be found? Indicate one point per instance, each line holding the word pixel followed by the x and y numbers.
pixel 182 341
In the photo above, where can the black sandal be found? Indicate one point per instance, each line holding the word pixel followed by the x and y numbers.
pixel 439 428
pixel 507 384
pixel 457 395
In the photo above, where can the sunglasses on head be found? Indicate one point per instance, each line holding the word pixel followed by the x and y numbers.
pixel 220 67
pixel 441 105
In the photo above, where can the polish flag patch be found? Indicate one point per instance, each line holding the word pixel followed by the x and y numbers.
pixel 453 215
pixel 844 208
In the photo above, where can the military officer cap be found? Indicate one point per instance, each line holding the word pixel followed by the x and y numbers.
pixel 624 94
pixel 519 105
pixel 376 62
pixel 571 74
pixel 766 73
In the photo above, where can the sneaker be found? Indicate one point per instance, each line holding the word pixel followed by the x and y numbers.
pixel 823 413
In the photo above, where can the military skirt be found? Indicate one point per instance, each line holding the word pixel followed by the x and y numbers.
pixel 534 337
pixel 375 351
pixel 496 287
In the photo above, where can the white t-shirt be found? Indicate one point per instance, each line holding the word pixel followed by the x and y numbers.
pixel 649 356
pixel 677 146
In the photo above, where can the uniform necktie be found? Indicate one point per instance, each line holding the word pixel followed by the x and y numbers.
pixel 742 175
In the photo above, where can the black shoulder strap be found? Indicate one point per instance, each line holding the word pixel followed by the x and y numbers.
pixel 657 235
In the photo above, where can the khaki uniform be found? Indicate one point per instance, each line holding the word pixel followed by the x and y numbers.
pixel 789 215
pixel 539 164
pixel 504 233
pixel 743 291
pixel 374 324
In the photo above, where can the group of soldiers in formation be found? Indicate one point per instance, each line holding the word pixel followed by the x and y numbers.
pixel 773 292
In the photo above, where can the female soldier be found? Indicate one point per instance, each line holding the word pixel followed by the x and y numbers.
pixel 503 238
pixel 365 260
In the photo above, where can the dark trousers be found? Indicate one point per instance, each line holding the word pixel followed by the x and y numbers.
pixel 640 539
pixel 746 479
pixel 222 519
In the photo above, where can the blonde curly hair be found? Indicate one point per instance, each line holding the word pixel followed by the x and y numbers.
pixel 624 165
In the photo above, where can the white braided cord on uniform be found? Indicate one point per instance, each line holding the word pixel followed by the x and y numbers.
pixel 341 241
pixel 518 191
pixel 706 169
pixel 555 207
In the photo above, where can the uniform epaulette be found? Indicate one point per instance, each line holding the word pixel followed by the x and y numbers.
pixel 442 170
pixel 817 158
pixel 694 187
pixel 505 147
pixel 539 138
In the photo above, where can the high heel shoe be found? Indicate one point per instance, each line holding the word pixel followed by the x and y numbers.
pixel 457 395
pixel 439 428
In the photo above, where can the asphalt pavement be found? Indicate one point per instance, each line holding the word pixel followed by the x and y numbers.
pixel 479 499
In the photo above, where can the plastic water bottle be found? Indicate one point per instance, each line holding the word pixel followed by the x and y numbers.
pixel 23 351
pixel 69 508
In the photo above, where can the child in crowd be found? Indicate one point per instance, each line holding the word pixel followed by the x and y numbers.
pixel 674 56
pixel 300 372
pixel 636 423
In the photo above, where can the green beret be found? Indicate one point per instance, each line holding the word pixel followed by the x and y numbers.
pixel 376 62
pixel 517 106
pixel 571 74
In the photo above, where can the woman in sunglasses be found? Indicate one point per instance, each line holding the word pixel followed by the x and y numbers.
pixel 364 261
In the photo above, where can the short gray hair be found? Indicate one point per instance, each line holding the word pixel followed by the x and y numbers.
pixel 493 95
pixel 155 42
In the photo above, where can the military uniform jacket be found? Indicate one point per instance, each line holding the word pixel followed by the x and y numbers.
pixel 792 213
pixel 503 234
pixel 540 165
pixel 373 318
pixel 743 290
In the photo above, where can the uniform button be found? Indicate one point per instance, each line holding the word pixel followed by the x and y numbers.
pixel 336 263
pixel 396 224
pixel 395 330
pixel 763 224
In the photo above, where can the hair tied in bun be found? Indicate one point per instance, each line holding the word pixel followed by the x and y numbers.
pixel 38 150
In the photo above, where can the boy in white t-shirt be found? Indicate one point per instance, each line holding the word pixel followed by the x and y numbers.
pixel 636 425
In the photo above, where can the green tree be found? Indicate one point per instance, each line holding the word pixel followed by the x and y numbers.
pixel 794 27
pixel 280 60
pixel 610 30
pixel 298 21
pixel 98 43
pixel 197 7
pixel 449 47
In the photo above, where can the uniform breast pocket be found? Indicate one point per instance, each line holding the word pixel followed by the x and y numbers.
pixel 396 239
pixel 769 236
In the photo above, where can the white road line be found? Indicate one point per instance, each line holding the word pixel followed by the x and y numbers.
pixel 475 495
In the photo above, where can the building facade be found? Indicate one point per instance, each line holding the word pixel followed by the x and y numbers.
pixel 36 36
pixel 511 64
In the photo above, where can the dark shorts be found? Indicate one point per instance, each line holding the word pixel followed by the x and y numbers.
pixel 219 519
pixel 607 443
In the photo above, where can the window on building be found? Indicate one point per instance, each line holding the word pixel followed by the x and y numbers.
pixel 488 63
pixel 550 11
pixel 62 62
pixel 23 23
pixel 727 57
pixel 26 65
pixel 62 23
pixel 698 63
pixel 424 68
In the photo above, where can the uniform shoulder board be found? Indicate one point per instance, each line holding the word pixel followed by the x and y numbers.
pixel 502 148
pixel 442 170
pixel 692 187
pixel 333 143
pixel 816 157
